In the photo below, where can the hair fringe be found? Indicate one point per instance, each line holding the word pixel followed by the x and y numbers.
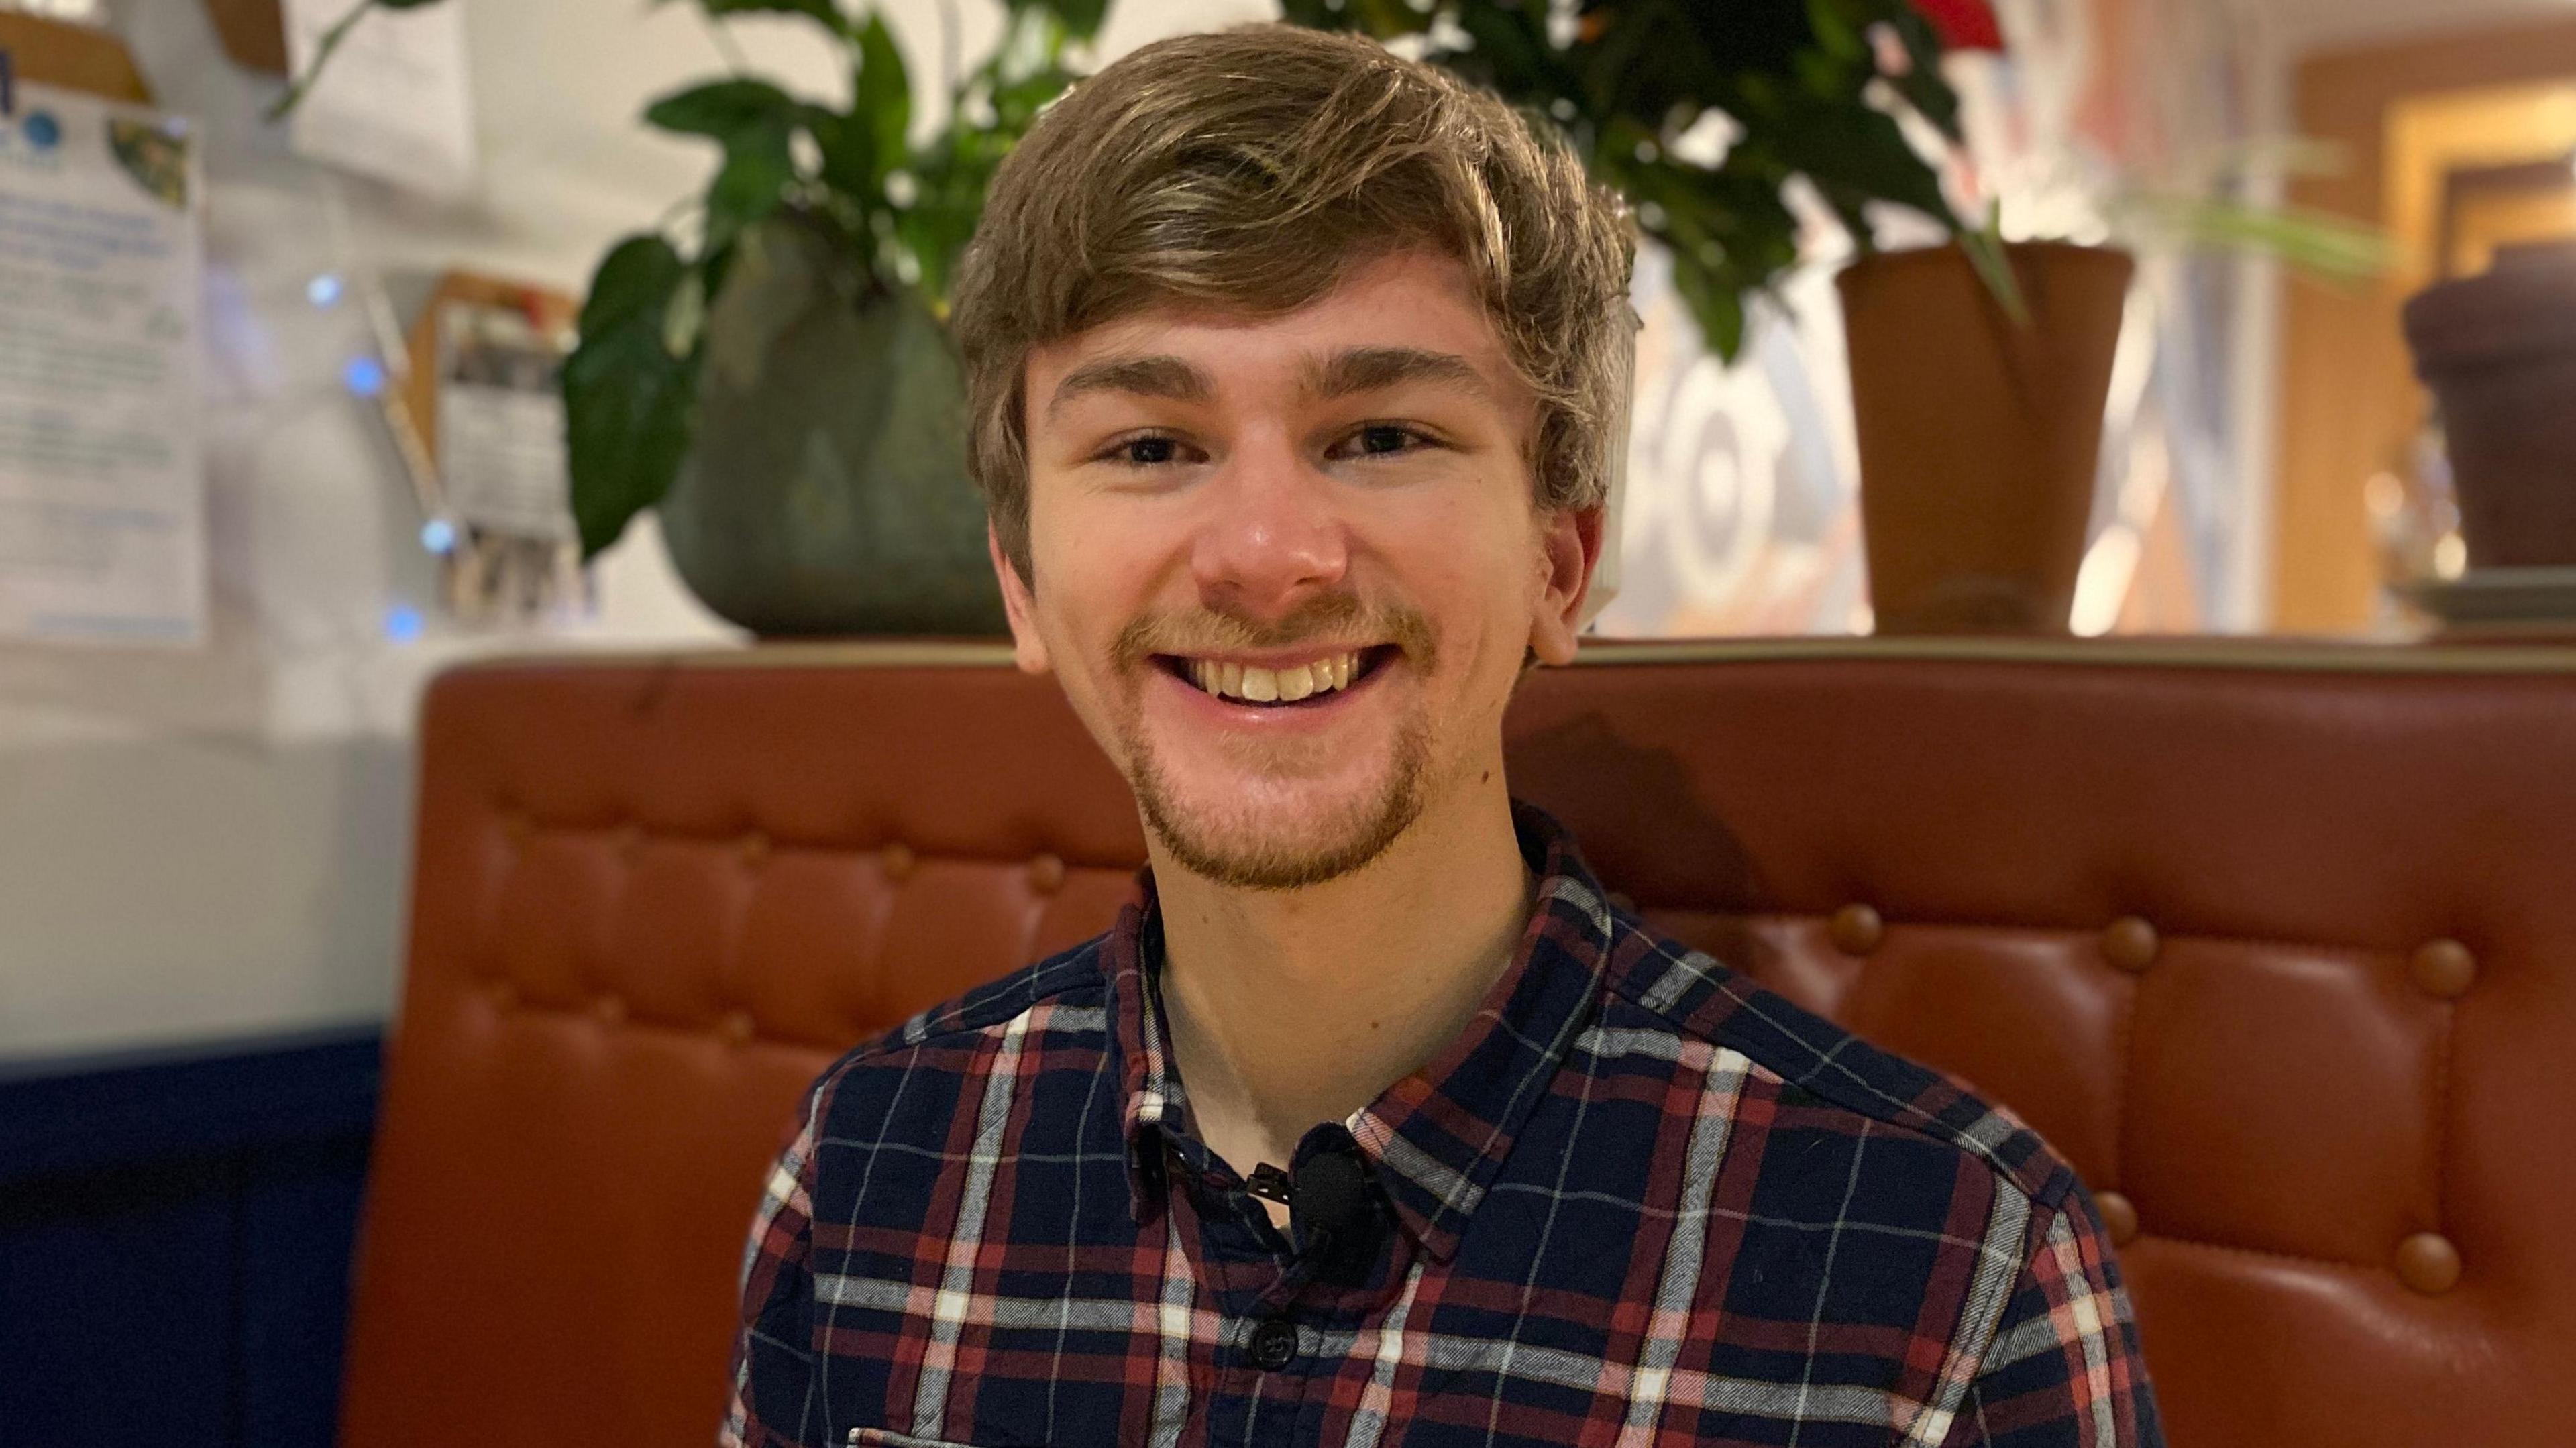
pixel 1250 169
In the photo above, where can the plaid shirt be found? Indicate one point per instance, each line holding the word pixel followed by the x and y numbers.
pixel 1637 1201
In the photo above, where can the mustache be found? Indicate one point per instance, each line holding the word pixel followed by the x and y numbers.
pixel 1328 619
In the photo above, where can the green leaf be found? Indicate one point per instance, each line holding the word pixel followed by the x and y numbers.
pixel 1821 76
pixel 628 402
pixel 631 285
pixel 1729 233
pixel 849 151
pixel 823 11
pixel 1032 43
pixel 752 183
pixel 2328 247
pixel 1378 19
pixel 1922 84
pixel 323 46
pixel 1017 104
pixel 1316 15
pixel 726 110
pixel 952 173
pixel 882 93
pixel 1854 148
pixel 1737 206
pixel 1080 18
pixel 1835 32
pixel 756 122
pixel 1985 248
pixel 1851 208
pixel 1717 305
pixel 1511 55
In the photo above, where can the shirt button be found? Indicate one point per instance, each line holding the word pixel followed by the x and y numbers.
pixel 1274 1344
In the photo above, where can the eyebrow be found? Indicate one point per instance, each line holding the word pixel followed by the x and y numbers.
pixel 1346 373
pixel 1153 376
pixel 1373 369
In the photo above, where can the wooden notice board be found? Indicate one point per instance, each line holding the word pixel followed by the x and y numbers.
pixel 76 57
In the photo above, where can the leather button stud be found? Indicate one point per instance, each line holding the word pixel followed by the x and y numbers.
pixel 2443 969
pixel 611 1009
pixel 2130 944
pixel 2119 1217
pixel 898 861
pixel 1046 874
pixel 754 847
pixel 1856 930
pixel 627 839
pixel 1274 1345
pixel 737 1028
pixel 2428 1263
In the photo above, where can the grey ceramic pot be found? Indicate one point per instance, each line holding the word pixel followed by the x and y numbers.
pixel 826 490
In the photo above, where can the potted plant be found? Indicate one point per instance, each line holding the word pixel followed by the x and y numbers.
pixel 776 378
pixel 1978 370
pixel 1979 433
pixel 2499 352
pixel 778 385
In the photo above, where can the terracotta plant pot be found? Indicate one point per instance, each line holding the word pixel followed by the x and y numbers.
pixel 2499 352
pixel 1979 438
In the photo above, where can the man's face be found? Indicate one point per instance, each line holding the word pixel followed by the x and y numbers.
pixel 1288 567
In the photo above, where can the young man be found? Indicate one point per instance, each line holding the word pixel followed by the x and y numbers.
pixel 1293 366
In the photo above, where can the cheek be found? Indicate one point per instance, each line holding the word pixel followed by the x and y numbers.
pixel 1072 568
pixel 1097 561
pixel 1478 570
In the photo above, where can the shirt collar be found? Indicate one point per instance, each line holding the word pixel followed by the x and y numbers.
pixel 1155 1106
pixel 1437 1137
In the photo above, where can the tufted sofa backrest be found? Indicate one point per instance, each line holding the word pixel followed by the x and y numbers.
pixel 2278 947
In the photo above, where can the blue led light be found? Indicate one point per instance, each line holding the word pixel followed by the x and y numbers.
pixel 364 376
pixel 438 535
pixel 403 624
pixel 323 290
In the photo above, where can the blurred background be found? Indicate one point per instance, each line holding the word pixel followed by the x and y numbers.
pixel 355 418
pixel 2266 464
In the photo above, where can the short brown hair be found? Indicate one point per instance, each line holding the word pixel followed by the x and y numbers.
pixel 1249 169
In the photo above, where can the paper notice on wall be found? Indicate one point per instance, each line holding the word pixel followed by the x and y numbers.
pixel 501 423
pixel 102 521
pixel 393 101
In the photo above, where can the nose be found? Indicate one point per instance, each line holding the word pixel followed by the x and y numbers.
pixel 1272 536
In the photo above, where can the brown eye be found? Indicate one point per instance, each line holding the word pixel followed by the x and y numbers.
pixel 1382 439
pixel 1148 451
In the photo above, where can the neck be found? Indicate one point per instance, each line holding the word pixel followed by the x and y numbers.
pixel 1294 1007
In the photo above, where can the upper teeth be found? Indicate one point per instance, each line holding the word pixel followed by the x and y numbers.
pixel 1261 686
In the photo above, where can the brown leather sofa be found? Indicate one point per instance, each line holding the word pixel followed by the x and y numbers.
pixel 2279 947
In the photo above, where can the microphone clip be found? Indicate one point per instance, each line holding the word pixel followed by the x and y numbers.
pixel 1271 1185
pixel 1330 1202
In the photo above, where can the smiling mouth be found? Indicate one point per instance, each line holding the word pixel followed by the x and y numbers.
pixel 1277 687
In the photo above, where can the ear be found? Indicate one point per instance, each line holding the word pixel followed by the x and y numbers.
pixel 1570 544
pixel 1027 648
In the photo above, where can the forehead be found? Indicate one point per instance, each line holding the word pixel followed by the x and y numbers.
pixel 1418 301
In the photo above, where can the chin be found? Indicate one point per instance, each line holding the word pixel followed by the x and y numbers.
pixel 1246 843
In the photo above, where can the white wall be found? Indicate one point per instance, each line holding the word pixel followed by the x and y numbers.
pixel 213 843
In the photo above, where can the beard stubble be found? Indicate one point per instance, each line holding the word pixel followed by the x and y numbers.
pixel 1254 861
